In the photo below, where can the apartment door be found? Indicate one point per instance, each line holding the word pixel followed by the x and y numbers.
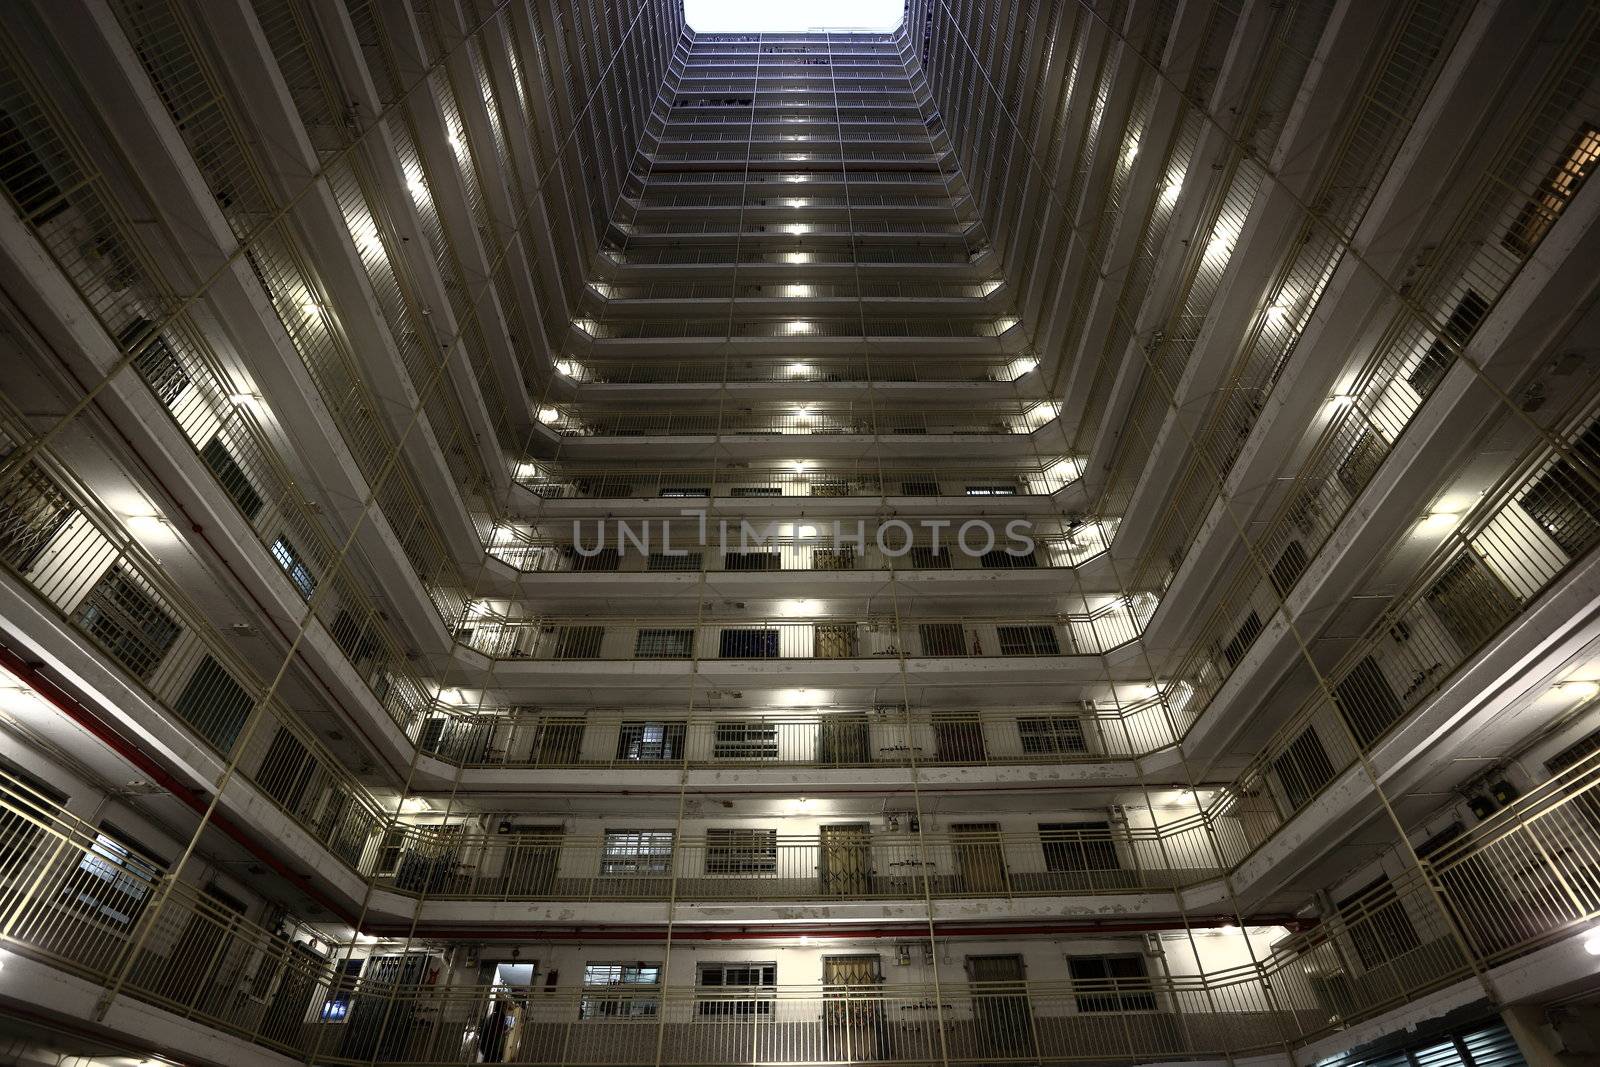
pixel 532 856
pixel 979 857
pixel 842 740
pixel 1000 1002
pixel 845 859
pixel 958 737
pixel 852 1013
pixel 198 956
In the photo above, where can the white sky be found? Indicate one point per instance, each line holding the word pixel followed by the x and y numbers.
pixel 789 16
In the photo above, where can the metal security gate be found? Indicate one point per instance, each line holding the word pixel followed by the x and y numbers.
pixel 854 1028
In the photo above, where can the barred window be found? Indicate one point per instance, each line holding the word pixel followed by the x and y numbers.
pixel 736 989
pixel 127 622
pixel 1078 846
pixel 214 704
pixel 636 852
pixel 1033 640
pixel 741 740
pixel 288 558
pixel 1047 734
pixel 1111 983
pixel 231 477
pixel 741 851
pixel 661 561
pixel 611 990
pixel 647 742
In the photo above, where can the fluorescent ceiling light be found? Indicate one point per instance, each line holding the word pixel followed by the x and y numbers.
pixel 741 16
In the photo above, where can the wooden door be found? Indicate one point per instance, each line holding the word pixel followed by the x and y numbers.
pixel 845 859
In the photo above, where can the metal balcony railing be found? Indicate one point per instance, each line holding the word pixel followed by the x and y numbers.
pixel 882 737
pixel 800 369
pixel 1491 565
pixel 820 418
pixel 532 550
pixel 888 289
pixel 1495 233
pixel 846 862
pixel 83 903
pixel 802 479
pixel 666 637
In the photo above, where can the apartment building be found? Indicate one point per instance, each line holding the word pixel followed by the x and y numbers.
pixel 1058 532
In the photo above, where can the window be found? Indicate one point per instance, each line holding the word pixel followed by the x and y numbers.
pixel 750 561
pixel 231 477
pixel 748 644
pixel 610 990
pixel 660 561
pixel 636 852
pixel 1004 560
pixel 742 740
pixel 1246 635
pixel 1379 926
pixel 737 989
pixel 1562 501
pixel 648 742
pixel 1078 846
pixel 25 175
pixel 289 559
pixel 606 559
pixel 830 487
pixel 755 490
pixel 112 881
pixel 685 492
pixel 579 642
pixel 286 770
pixel 1361 462
pixel 214 704
pixel 127 622
pixel 391 849
pixel 1111 983
pixel 337 1007
pixel 1435 362
pixel 1551 198
pixel 1303 769
pixel 1469 601
pixel 1291 564
pixel 927 558
pixel 741 851
pixel 1033 640
pixel 663 644
pixel 943 639
pixel 32 511
pixel 156 363
pixel 1365 700
pixel 919 488
pixel 991 490
pixel 1042 735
